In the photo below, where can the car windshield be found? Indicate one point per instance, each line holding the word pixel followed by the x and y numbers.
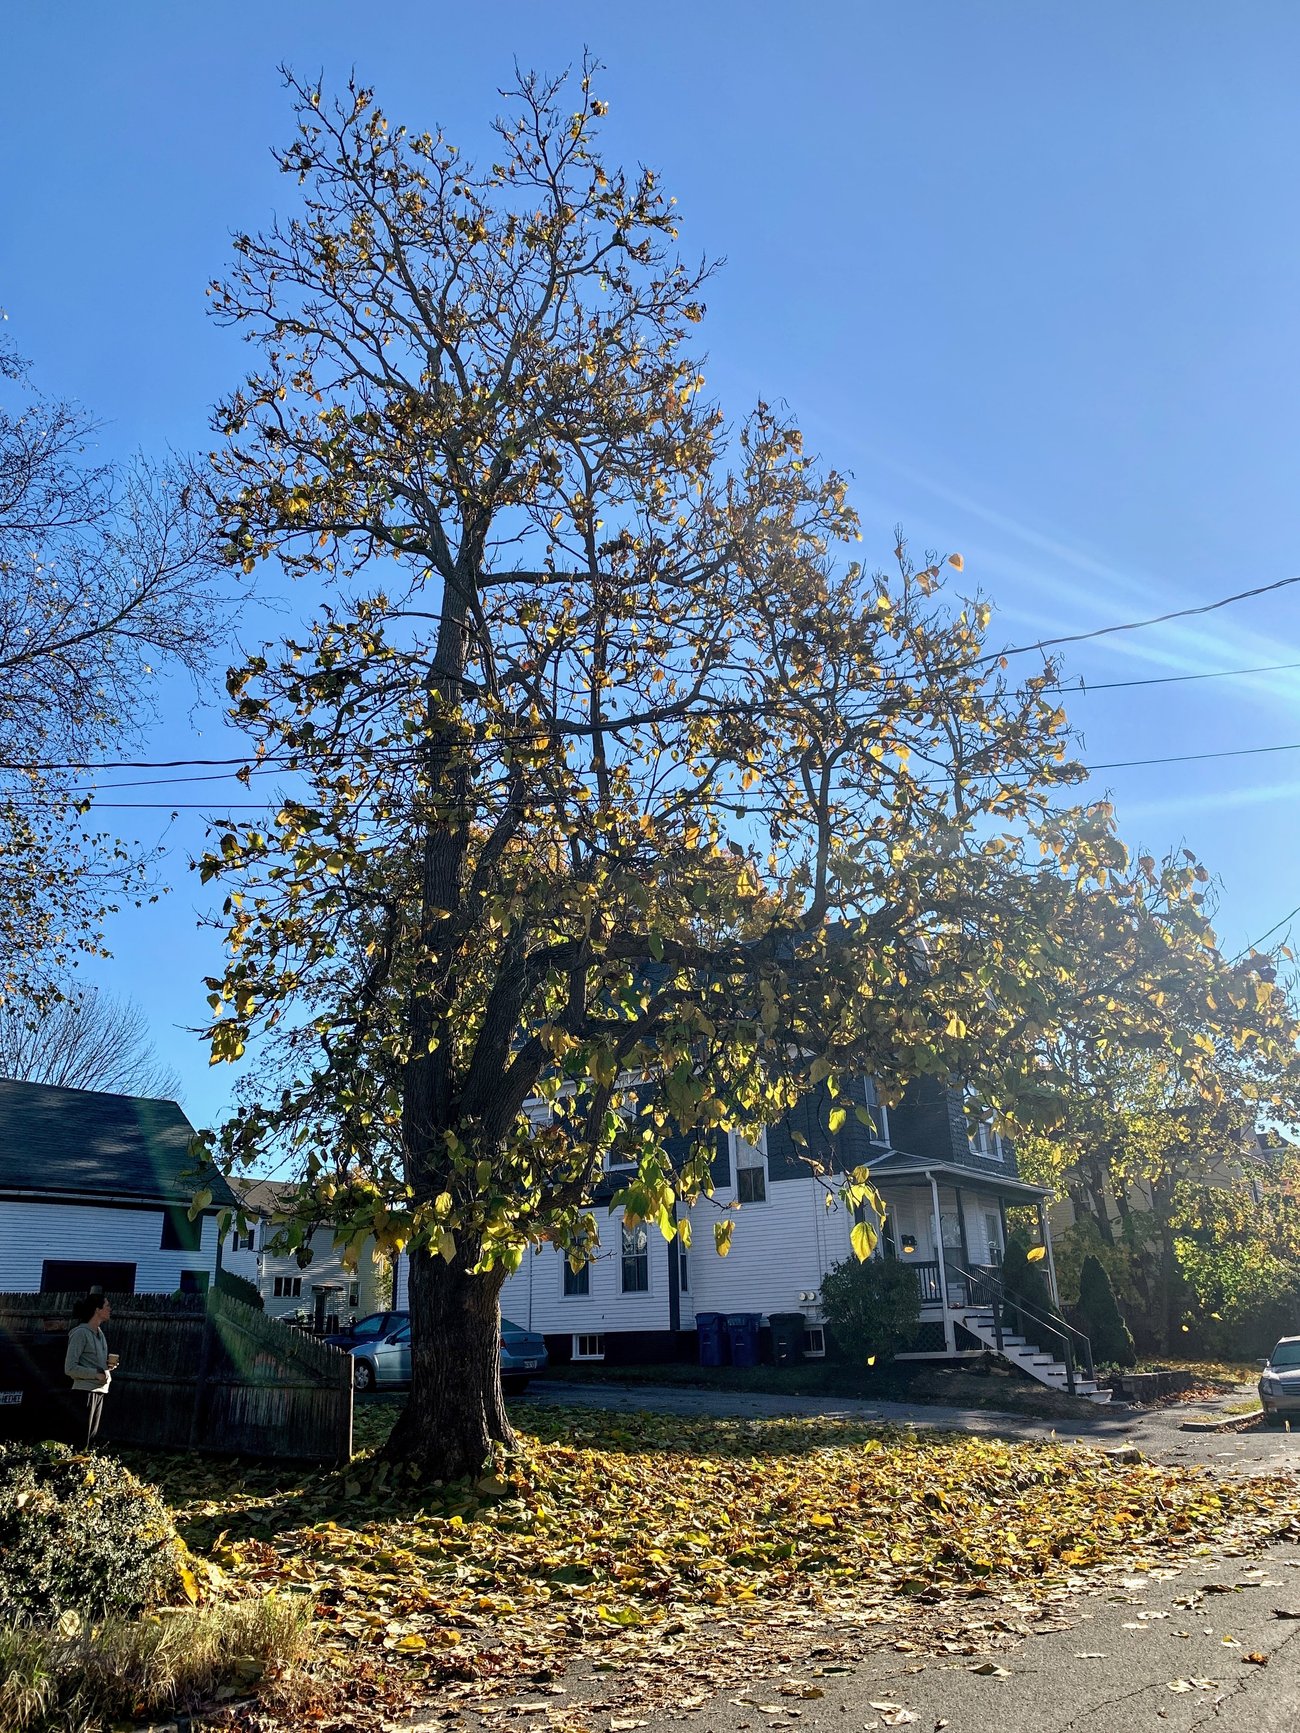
pixel 402 1335
pixel 509 1329
pixel 371 1326
pixel 1285 1355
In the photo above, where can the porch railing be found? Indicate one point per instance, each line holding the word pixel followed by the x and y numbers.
pixel 927 1281
pixel 1010 1314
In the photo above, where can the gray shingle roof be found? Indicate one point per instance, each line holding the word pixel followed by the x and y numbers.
pixel 83 1143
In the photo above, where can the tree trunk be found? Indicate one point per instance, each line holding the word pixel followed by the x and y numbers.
pixel 455 1412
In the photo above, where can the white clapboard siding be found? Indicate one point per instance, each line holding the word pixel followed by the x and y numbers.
pixel 32 1232
pixel 534 1296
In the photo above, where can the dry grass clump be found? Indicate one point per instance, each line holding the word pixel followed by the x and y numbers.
pixel 79 1679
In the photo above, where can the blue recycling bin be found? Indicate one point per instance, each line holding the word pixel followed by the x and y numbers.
pixel 712 1330
pixel 742 1332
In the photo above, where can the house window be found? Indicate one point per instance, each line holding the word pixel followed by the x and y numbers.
pixel 243 1242
pixel 992 1230
pixel 879 1130
pixel 814 1342
pixel 588 1347
pixel 179 1233
pixel 577 1283
pixel 751 1175
pixel 287 1287
pixel 194 1282
pixel 636 1260
pixel 980 1135
pixel 354 1294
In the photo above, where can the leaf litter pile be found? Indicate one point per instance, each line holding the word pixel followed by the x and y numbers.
pixel 672 1556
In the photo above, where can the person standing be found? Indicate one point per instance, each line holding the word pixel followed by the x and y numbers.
pixel 88 1362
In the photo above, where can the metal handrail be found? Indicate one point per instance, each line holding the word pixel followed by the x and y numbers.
pixel 1063 1332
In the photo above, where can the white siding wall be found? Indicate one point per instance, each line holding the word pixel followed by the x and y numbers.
pixel 325 1270
pixel 534 1296
pixel 32 1232
pixel 780 1249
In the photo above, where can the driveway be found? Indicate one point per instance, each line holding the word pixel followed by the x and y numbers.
pixel 1156 1432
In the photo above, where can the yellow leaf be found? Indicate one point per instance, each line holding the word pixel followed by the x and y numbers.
pixel 863 1239
pixel 189 1582
pixel 956 1028
pixel 1036 1254
pixel 956 562
pixel 871 1359
pixel 722 1232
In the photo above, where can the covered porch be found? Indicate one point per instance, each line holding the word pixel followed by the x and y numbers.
pixel 947 1223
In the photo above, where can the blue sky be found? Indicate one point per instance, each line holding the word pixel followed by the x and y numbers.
pixel 1029 272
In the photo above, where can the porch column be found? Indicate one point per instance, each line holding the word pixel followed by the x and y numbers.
pixel 949 1334
pixel 1045 1234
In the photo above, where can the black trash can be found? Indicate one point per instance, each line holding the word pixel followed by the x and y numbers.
pixel 742 1333
pixel 787 1337
pixel 711 1328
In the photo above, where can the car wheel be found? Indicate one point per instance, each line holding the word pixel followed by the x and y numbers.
pixel 363 1377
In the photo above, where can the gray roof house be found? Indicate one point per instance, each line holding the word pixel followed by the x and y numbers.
pixel 95 1191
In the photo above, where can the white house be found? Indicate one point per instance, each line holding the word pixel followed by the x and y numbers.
pixel 946 1181
pixel 319 1288
pixel 95 1191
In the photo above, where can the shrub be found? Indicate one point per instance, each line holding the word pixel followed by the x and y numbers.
pixel 82 1680
pixel 80 1533
pixel 1100 1318
pixel 1026 1282
pixel 240 1288
pixel 871 1308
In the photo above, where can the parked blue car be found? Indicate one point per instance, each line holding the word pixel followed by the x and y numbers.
pixel 383 1362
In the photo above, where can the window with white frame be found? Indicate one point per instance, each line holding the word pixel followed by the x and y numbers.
pixel 575 1284
pixel 588 1347
pixel 993 1235
pixel 879 1129
pixel 814 1342
pixel 288 1288
pixel 751 1174
pixel 980 1135
pixel 636 1259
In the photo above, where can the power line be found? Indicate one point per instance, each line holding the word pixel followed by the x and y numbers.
pixel 1256 943
pixel 1194 757
pixel 1086 686
pixel 1137 625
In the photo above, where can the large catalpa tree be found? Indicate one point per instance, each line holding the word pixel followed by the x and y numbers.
pixel 605 763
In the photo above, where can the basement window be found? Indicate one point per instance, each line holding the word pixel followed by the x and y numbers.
pixel 588 1347
pixel 814 1342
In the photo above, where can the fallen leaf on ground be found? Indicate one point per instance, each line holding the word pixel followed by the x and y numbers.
pixel 1258 1657
pixel 991 1670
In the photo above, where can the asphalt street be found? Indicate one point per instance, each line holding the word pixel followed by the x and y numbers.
pixel 1157 1432
pixel 1214 1643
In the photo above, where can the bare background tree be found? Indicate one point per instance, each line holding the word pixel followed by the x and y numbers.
pixel 91 1041
pixel 105 574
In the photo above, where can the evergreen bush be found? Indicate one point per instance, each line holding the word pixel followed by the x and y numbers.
pixel 871 1308
pixel 1027 1283
pixel 80 1534
pixel 1100 1318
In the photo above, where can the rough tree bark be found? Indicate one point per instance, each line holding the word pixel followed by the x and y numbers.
pixel 456 1394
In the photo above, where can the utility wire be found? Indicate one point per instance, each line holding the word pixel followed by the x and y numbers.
pixel 1137 625
pixel 1086 686
pixel 1194 757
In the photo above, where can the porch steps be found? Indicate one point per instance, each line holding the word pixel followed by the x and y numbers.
pixel 1035 1361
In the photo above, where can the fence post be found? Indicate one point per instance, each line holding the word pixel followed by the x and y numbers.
pixel 204 1369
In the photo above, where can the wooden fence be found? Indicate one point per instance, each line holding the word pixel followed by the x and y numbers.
pixel 196 1372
